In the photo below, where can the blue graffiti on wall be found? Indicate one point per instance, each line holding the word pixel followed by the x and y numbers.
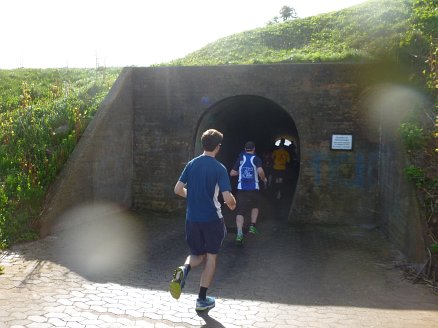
pixel 355 170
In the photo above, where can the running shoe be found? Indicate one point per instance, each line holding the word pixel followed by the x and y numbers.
pixel 239 239
pixel 253 230
pixel 208 303
pixel 178 281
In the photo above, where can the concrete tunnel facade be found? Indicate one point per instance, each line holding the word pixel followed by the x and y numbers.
pixel 150 124
pixel 310 103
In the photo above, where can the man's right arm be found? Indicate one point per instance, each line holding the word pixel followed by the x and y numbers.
pixel 262 174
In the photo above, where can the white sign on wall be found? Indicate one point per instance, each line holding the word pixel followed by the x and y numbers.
pixel 342 142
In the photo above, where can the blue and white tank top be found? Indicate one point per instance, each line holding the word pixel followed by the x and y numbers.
pixel 247 165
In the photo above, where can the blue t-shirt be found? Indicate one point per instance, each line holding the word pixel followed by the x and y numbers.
pixel 247 165
pixel 204 177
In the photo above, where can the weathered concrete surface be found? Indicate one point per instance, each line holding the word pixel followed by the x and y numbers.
pixel 401 215
pixel 287 276
pixel 100 167
pixel 306 102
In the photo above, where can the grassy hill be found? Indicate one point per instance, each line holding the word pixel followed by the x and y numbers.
pixel 43 113
pixel 368 31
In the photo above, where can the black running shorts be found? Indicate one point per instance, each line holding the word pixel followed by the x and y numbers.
pixel 246 200
pixel 205 236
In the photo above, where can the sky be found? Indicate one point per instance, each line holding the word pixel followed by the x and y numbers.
pixel 90 33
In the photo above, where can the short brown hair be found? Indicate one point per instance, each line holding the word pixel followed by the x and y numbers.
pixel 250 145
pixel 210 139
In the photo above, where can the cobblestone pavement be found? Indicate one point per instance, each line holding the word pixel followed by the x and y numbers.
pixel 105 268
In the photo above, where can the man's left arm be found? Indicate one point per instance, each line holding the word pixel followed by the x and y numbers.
pixel 229 200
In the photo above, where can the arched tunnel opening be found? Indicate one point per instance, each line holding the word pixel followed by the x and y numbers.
pixel 244 118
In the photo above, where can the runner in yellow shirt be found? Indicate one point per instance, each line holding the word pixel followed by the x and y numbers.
pixel 281 159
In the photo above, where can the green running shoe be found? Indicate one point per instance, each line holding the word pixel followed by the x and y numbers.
pixel 239 239
pixel 178 281
pixel 253 230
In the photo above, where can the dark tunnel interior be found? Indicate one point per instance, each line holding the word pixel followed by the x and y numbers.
pixel 244 118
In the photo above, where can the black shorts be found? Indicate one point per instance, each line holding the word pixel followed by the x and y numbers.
pixel 279 174
pixel 205 236
pixel 247 200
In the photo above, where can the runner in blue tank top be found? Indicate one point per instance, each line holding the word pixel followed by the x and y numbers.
pixel 200 182
pixel 248 168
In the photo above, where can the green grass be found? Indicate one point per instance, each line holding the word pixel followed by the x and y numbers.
pixel 43 113
pixel 364 32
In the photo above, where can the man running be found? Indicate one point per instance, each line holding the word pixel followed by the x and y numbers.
pixel 281 158
pixel 200 182
pixel 248 167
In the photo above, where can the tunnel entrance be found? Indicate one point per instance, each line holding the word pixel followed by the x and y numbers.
pixel 243 118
